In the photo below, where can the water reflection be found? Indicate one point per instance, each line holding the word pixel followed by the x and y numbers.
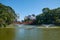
pixel 29 33
pixel 51 34
pixel 7 33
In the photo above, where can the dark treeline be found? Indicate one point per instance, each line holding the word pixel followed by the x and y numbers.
pixel 7 15
pixel 48 16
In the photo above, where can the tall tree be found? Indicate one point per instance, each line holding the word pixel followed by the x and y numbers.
pixel 7 15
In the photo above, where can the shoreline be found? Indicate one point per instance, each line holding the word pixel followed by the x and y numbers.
pixel 34 27
pixel 13 26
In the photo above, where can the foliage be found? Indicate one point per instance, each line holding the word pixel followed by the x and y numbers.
pixel 49 16
pixel 7 15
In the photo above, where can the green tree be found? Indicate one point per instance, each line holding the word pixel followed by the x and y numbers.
pixel 7 15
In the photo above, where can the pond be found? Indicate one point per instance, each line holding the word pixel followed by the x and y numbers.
pixel 29 32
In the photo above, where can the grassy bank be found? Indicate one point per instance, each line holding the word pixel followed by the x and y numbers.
pixel 10 26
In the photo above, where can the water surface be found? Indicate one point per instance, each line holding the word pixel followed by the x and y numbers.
pixel 29 32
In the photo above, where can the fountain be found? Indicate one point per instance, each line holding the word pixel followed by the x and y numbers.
pixel 47 26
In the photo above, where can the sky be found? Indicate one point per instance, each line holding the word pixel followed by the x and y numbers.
pixel 28 7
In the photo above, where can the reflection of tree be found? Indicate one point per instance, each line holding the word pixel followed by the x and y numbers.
pixel 7 33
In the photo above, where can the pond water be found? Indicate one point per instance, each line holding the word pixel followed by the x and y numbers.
pixel 29 32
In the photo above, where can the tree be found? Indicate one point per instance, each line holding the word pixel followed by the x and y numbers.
pixel 7 15
pixel 49 16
